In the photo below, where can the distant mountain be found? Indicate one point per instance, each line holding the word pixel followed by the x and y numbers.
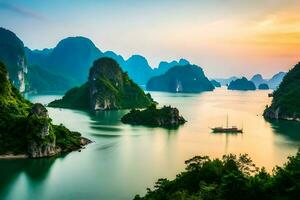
pixel 42 81
pixel 241 84
pixel 187 78
pixel 138 69
pixel 13 56
pixel 37 57
pixel 285 103
pixel 108 87
pixel 226 81
pixel 164 66
pixel 263 86
pixel 120 60
pixel 275 81
pixel 215 83
pixel 73 56
pixel 257 79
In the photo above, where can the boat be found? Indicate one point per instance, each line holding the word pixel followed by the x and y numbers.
pixel 227 129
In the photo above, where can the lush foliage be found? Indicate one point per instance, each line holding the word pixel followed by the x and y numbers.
pixel 40 80
pixel 287 96
pixel 187 78
pixel 107 83
pixel 166 116
pixel 241 84
pixel 20 128
pixel 229 178
pixel 76 98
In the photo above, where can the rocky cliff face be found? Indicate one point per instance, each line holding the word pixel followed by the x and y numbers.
pixel 108 87
pixel 41 141
pixel 104 74
pixel 13 56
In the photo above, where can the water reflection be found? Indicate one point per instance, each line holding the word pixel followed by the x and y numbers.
pixel 143 154
pixel 287 129
pixel 34 170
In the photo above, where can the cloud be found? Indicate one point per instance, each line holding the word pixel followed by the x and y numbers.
pixel 21 11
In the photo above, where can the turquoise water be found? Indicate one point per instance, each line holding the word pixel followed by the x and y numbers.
pixel 124 160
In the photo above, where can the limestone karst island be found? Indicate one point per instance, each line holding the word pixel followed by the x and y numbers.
pixel 149 100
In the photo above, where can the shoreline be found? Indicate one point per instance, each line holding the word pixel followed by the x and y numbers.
pixel 84 142
pixel 13 156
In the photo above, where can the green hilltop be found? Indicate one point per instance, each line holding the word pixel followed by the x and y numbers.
pixel 108 87
pixel 286 99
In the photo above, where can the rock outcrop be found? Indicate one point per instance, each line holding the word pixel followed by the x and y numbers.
pixel 167 117
pixel 241 84
pixel 108 87
pixel 26 129
pixel 41 141
pixel 285 104
pixel 181 79
pixel 13 56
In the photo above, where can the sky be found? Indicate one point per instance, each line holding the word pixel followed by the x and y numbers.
pixel 224 37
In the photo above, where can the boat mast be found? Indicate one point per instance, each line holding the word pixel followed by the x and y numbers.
pixel 227 121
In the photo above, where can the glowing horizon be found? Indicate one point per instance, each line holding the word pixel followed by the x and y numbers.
pixel 225 38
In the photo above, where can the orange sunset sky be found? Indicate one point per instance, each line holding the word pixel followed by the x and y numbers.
pixel 225 37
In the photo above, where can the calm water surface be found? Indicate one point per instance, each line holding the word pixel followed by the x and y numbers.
pixel 124 160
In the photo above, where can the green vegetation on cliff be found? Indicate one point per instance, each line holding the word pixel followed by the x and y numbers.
pixel 108 87
pixel 166 116
pixel 229 178
pixel 285 103
pixel 26 128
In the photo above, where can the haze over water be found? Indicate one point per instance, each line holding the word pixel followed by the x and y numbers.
pixel 124 159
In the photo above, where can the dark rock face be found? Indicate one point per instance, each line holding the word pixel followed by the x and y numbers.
pixel 108 87
pixel 38 110
pixel 263 86
pixel 285 104
pixel 188 78
pixel 100 97
pixel 167 117
pixel 241 84
pixel 13 56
